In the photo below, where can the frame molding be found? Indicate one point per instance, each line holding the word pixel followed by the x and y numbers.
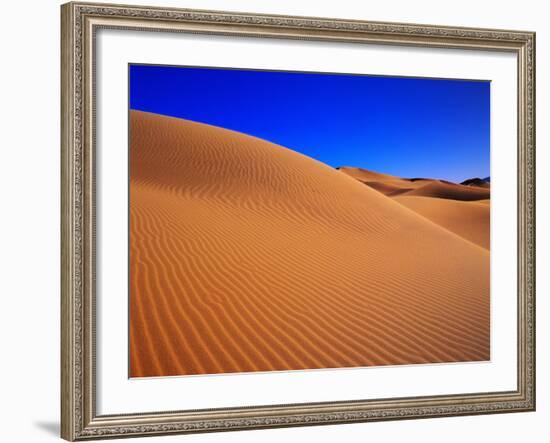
pixel 79 21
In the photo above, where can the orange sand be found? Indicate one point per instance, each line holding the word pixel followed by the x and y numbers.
pixel 246 256
pixel 462 209
pixel 451 191
pixel 469 219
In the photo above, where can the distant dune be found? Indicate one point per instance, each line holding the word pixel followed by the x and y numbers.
pixel 391 185
pixel 387 184
pixel 479 182
pixel 247 256
pixel 460 208
pixel 469 219
pixel 452 191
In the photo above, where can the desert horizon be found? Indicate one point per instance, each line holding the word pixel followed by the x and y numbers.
pixel 248 256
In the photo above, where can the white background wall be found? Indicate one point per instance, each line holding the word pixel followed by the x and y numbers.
pixel 29 218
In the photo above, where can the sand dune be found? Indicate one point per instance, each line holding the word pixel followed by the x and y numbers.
pixel 246 256
pixel 460 208
pixel 476 182
pixel 366 175
pixel 386 184
pixel 470 220
pixel 452 191
pixel 392 186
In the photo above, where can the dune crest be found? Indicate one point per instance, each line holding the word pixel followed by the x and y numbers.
pixel 389 185
pixel 451 191
pixel 247 256
pixel 479 182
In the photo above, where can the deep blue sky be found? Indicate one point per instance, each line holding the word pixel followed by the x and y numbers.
pixel 410 127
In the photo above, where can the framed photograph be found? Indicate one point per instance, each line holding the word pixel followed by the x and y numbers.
pixel 283 221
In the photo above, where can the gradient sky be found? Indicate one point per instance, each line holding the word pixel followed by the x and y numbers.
pixel 409 127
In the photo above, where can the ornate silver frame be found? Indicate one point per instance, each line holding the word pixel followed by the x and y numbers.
pixel 80 21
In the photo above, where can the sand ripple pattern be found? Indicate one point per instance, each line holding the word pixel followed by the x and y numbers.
pixel 246 256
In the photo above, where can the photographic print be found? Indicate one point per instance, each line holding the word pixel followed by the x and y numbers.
pixel 283 221
pixel 276 221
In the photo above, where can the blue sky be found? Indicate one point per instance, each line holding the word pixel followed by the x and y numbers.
pixel 409 127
